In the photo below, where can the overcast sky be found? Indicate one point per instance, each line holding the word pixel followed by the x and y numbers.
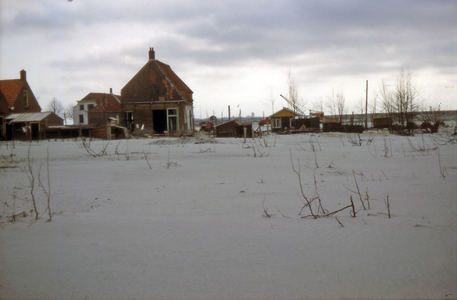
pixel 235 53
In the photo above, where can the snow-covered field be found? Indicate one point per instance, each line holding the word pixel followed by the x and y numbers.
pixel 193 226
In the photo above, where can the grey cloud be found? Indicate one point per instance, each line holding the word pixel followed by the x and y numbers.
pixel 320 38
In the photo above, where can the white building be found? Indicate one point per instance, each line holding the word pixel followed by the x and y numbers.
pixel 80 116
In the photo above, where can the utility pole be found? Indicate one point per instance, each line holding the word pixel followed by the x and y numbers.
pixel 366 107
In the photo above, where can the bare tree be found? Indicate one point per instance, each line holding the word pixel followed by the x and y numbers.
pixel 406 102
pixel 335 104
pixel 318 105
pixel 294 96
pixel 374 104
pixel 432 119
pixel 360 108
pixel 386 99
pixel 270 102
pixel 68 113
pixel 56 107
pixel 402 104
pixel 330 103
pixel 340 100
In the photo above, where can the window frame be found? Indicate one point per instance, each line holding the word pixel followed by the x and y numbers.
pixel 276 123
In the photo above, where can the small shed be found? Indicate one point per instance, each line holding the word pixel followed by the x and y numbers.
pixel 110 130
pixel 283 119
pixel 233 128
pixel 307 124
pixel 382 122
pixel 30 126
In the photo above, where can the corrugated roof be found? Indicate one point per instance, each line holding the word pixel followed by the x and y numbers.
pixel 11 89
pixel 27 117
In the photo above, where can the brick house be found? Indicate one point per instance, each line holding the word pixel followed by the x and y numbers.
pixel 157 101
pixel 96 108
pixel 16 96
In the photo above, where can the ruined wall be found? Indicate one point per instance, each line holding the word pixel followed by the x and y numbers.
pixel 143 122
pixel 99 117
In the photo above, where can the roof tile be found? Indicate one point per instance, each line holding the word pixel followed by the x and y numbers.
pixel 11 89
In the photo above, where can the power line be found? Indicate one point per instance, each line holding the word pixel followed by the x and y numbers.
pixel 379 45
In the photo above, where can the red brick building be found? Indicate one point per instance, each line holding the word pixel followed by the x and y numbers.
pixel 16 96
pixel 157 101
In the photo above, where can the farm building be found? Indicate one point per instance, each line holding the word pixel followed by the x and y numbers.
pixel 30 126
pixel 157 101
pixel 233 128
pixel 16 96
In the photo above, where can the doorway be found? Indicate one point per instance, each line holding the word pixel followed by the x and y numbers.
pixel 159 121
pixel 35 131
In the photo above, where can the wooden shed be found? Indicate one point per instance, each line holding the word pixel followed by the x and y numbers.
pixel 233 128
pixel 307 124
pixel 282 120
pixel 30 126
pixel 382 122
pixel 110 130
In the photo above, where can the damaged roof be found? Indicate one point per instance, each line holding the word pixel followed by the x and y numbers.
pixel 155 81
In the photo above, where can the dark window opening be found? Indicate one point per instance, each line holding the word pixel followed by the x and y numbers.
pixel 90 106
pixel 26 99
pixel 81 119
pixel 81 107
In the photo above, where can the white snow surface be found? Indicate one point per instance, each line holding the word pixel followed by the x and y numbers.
pixel 193 225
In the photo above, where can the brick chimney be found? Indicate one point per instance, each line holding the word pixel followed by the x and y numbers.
pixel 151 53
pixel 111 91
pixel 23 75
